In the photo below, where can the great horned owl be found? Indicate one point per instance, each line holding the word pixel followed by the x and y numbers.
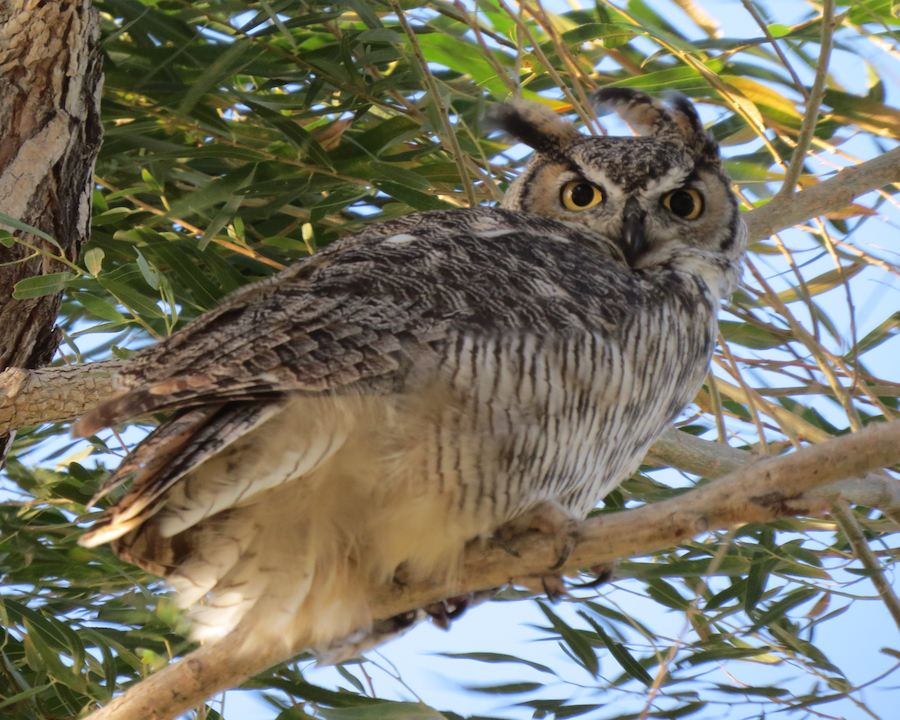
pixel 428 381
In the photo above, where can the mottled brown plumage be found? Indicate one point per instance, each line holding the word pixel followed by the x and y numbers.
pixel 427 381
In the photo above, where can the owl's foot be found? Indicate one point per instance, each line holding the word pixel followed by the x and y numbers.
pixel 603 573
pixel 547 518
pixel 444 612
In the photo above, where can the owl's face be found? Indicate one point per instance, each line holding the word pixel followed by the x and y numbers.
pixel 660 197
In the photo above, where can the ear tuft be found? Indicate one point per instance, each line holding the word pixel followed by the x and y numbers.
pixel 534 124
pixel 678 123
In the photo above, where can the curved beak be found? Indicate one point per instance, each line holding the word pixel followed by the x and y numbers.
pixel 634 239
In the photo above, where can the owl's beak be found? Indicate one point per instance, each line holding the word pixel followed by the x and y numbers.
pixel 634 238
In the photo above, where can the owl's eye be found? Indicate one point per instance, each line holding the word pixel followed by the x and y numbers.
pixel 685 203
pixel 580 195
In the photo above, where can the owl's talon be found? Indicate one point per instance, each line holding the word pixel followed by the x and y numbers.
pixel 569 545
pixel 604 573
pixel 548 518
pixel 554 587
pixel 444 612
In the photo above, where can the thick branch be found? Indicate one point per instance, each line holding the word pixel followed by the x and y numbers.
pixel 761 491
pixel 50 133
pixel 32 397
pixel 714 460
pixel 835 193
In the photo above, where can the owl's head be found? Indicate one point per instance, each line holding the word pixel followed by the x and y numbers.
pixel 661 199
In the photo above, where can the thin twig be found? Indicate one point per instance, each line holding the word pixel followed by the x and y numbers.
pixel 748 6
pixel 816 95
pixel 451 143
pixel 850 527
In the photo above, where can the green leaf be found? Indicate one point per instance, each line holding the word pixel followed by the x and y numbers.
pixel 384 711
pixel 25 227
pixel 415 199
pixel 225 64
pixel 824 282
pixel 579 646
pixel 752 336
pixel 667 595
pixel 24 695
pixel 724 652
pixel 50 659
pixel 293 131
pixel 380 35
pixel 93 260
pixel 98 307
pixel 111 216
pixel 620 653
pixel 751 690
pixel 41 285
pixel 489 657
pixel 506 688
pixel 150 272
pixel 131 298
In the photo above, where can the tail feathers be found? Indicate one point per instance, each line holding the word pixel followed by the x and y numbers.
pixel 165 456
pixel 158 448
pixel 183 392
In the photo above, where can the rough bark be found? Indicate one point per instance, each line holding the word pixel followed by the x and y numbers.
pixel 761 491
pixel 50 132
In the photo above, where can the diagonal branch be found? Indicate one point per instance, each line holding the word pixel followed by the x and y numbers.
pixel 837 192
pixel 758 492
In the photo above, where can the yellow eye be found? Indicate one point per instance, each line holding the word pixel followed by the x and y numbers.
pixel 580 195
pixel 685 203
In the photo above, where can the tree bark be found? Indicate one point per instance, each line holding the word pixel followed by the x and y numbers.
pixel 50 133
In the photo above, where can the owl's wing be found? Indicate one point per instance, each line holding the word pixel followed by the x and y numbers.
pixel 300 331
pixel 362 312
pixel 165 456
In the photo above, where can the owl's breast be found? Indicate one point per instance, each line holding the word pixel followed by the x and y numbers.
pixel 563 418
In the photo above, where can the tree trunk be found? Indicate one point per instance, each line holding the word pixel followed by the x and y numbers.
pixel 50 132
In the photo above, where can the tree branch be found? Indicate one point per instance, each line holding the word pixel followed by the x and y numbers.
pixel 760 491
pixel 714 460
pixel 833 194
pixel 50 132
pixel 58 394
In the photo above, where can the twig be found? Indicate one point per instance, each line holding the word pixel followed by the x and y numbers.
pixel 817 93
pixel 850 527
pixel 715 460
pixel 837 192
pixel 748 6
pixel 451 143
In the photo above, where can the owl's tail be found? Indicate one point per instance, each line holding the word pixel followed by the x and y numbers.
pixel 277 568
pixel 298 564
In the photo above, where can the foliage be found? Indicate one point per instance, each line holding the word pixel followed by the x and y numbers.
pixel 241 136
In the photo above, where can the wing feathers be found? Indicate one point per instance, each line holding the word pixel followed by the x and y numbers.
pixel 167 455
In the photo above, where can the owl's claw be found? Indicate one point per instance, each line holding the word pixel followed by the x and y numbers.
pixel 548 518
pixel 603 574
pixel 444 612
pixel 569 541
pixel 555 587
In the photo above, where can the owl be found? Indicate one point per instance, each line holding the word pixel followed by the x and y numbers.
pixel 433 379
